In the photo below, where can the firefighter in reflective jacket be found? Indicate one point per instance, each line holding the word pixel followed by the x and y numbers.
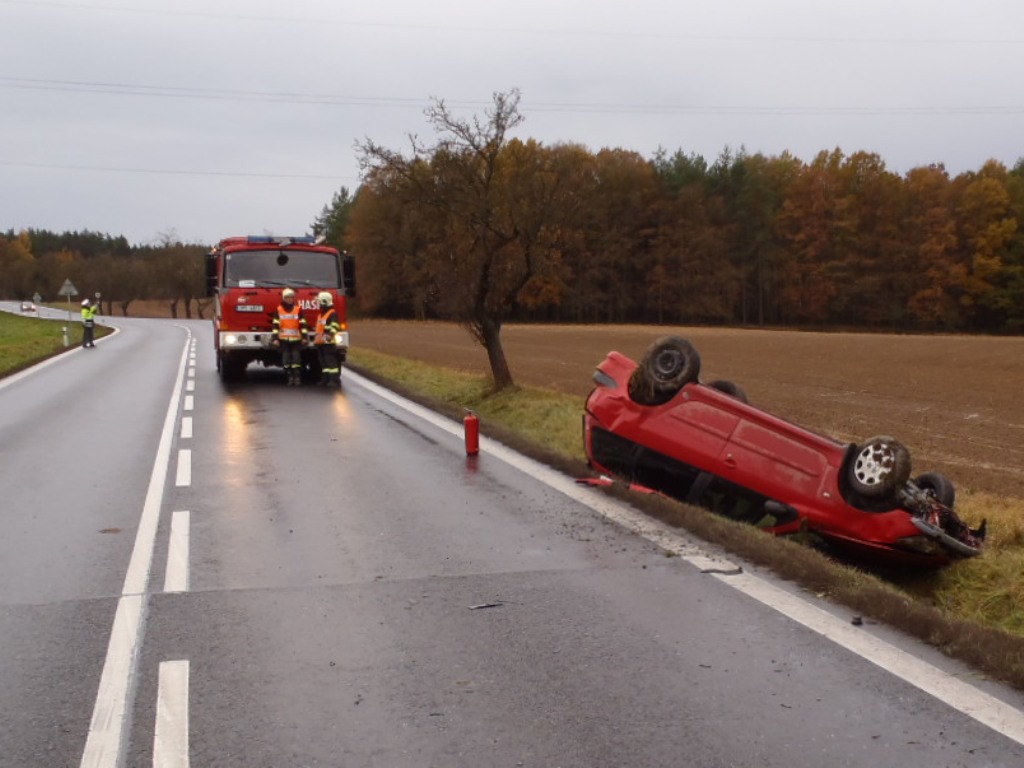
pixel 289 334
pixel 327 328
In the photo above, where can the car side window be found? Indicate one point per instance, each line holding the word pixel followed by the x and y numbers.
pixel 733 501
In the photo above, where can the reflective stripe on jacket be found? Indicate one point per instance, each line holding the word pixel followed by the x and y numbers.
pixel 326 327
pixel 288 324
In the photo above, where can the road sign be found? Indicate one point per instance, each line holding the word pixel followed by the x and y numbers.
pixel 68 289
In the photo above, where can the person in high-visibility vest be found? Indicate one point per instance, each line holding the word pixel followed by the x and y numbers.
pixel 89 311
pixel 289 335
pixel 327 328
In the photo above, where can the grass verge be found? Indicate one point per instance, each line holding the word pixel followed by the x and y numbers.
pixel 25 341
pixel 972 611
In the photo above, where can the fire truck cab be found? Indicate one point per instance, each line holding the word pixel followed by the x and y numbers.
pixel 246 275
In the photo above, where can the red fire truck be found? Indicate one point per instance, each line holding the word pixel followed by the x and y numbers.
pixel 246 275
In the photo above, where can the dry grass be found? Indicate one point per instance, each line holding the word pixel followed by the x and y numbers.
pixel 989 589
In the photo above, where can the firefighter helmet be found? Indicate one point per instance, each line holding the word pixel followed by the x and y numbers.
pixel 288 294
pixel 325 298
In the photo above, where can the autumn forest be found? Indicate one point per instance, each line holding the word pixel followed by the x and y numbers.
pixel 483 229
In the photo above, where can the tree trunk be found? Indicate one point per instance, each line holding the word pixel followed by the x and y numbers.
pixel 490 331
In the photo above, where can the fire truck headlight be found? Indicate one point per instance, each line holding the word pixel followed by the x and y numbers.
pixel 231 339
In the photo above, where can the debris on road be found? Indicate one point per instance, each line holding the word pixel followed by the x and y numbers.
pixel 485 605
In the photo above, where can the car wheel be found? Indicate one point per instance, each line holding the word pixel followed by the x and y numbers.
pixel 729 388
pixel 879 468
pixel 667 365
pixel 940 486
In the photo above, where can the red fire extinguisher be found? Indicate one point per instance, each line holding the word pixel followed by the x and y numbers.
pixel 472 428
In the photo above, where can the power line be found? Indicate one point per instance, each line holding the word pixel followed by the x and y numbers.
pixel 619 33
pixel 170 171
pixel 326 99
pixel 162 91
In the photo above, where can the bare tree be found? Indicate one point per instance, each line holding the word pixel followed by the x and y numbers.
pixel 491 202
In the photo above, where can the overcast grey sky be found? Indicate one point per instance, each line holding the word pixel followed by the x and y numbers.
pixel 209 118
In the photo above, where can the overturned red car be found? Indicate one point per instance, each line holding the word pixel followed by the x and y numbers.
pixel 657 426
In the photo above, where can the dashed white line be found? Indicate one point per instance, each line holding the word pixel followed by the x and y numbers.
pixel 176 577
pixel 105 740
pixel 189 402
pixel 190 385
pixel 170 742
pixel 186 427
pixel 184 476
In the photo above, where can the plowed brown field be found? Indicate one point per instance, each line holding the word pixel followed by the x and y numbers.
pixel 954 401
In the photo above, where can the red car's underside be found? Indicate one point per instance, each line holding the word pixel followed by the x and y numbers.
pixel 706 447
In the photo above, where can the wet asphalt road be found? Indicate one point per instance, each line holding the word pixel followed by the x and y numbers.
pixel 344 587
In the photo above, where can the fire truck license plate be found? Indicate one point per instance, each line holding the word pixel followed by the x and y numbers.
pixel 249 308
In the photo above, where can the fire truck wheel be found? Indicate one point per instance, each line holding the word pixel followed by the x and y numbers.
pixel 230 368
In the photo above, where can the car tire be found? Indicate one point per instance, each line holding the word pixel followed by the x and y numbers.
pixel 879 468
pixel 939 485
pixel 730 388
pixel 668 364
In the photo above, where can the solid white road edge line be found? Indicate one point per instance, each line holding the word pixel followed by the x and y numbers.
pixel 965 698
pixel 177 573
pixel 170 741
pixel 106 729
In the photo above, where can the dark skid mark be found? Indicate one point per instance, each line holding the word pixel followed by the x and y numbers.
pixel 411 428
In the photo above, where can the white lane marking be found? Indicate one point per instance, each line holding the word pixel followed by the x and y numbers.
pixel 191 372
pixel 103 746
pixel 190 385
pixel 973 702
pixel 184 476
pixel 176 576
pixel 189 402
pixel 105 740
pixel 967 699
pixel 186 427
pixel 170 742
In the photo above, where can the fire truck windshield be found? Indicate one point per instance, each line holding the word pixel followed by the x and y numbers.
pixel 281 268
